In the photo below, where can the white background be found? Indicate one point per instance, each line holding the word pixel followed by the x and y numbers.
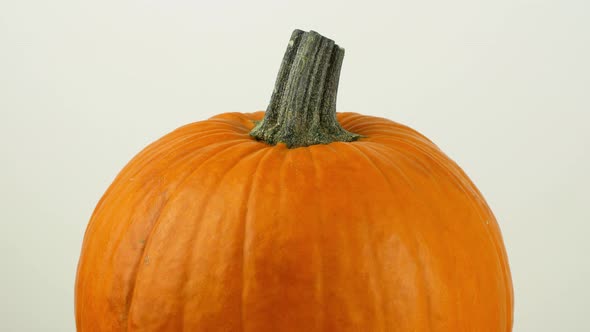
pixel 502 86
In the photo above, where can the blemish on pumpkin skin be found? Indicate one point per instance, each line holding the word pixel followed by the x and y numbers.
pixel 146 260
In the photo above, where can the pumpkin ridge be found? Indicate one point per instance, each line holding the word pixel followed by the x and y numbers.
pixel 182 136
pixel 460 179
pixel 386 158
pixel 361 123
pixel 414 243
pixel 223 146
pixel 246 121
pixel 246 204
pixel 454 172
pixel 141 161
pixel 123 232
pixel 404 155
pixel 154 151
pixel 357 149
pixel 233 126
pixel 369 124
pixel 344 118
pixel 173 164
pixel 476 200
pixel 215 123
pixel 201 210
pixel 194 138
pixel 318 241
pixel 428 151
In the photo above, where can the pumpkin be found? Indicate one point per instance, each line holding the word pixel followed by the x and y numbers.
pixel 294 219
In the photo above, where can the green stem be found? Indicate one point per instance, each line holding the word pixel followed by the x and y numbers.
pixel 302 109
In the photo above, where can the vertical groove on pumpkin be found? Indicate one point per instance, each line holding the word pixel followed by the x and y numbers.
pixel 122 186
pixel 461 181
pixel 246 219
pixel 427 306
pixel 242 153
pixel 218 148
pixel 318 244
pixel 374 264
pixel 476 199
pixel 364 156
pixel 451 172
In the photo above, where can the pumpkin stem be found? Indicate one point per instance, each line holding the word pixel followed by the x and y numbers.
pixel 302 109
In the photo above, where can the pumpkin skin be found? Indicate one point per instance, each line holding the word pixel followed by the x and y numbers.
pixel 208 229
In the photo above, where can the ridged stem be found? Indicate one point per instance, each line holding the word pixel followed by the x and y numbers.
pixel 302 109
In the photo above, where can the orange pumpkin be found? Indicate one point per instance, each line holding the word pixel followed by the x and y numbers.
pixel 296 219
